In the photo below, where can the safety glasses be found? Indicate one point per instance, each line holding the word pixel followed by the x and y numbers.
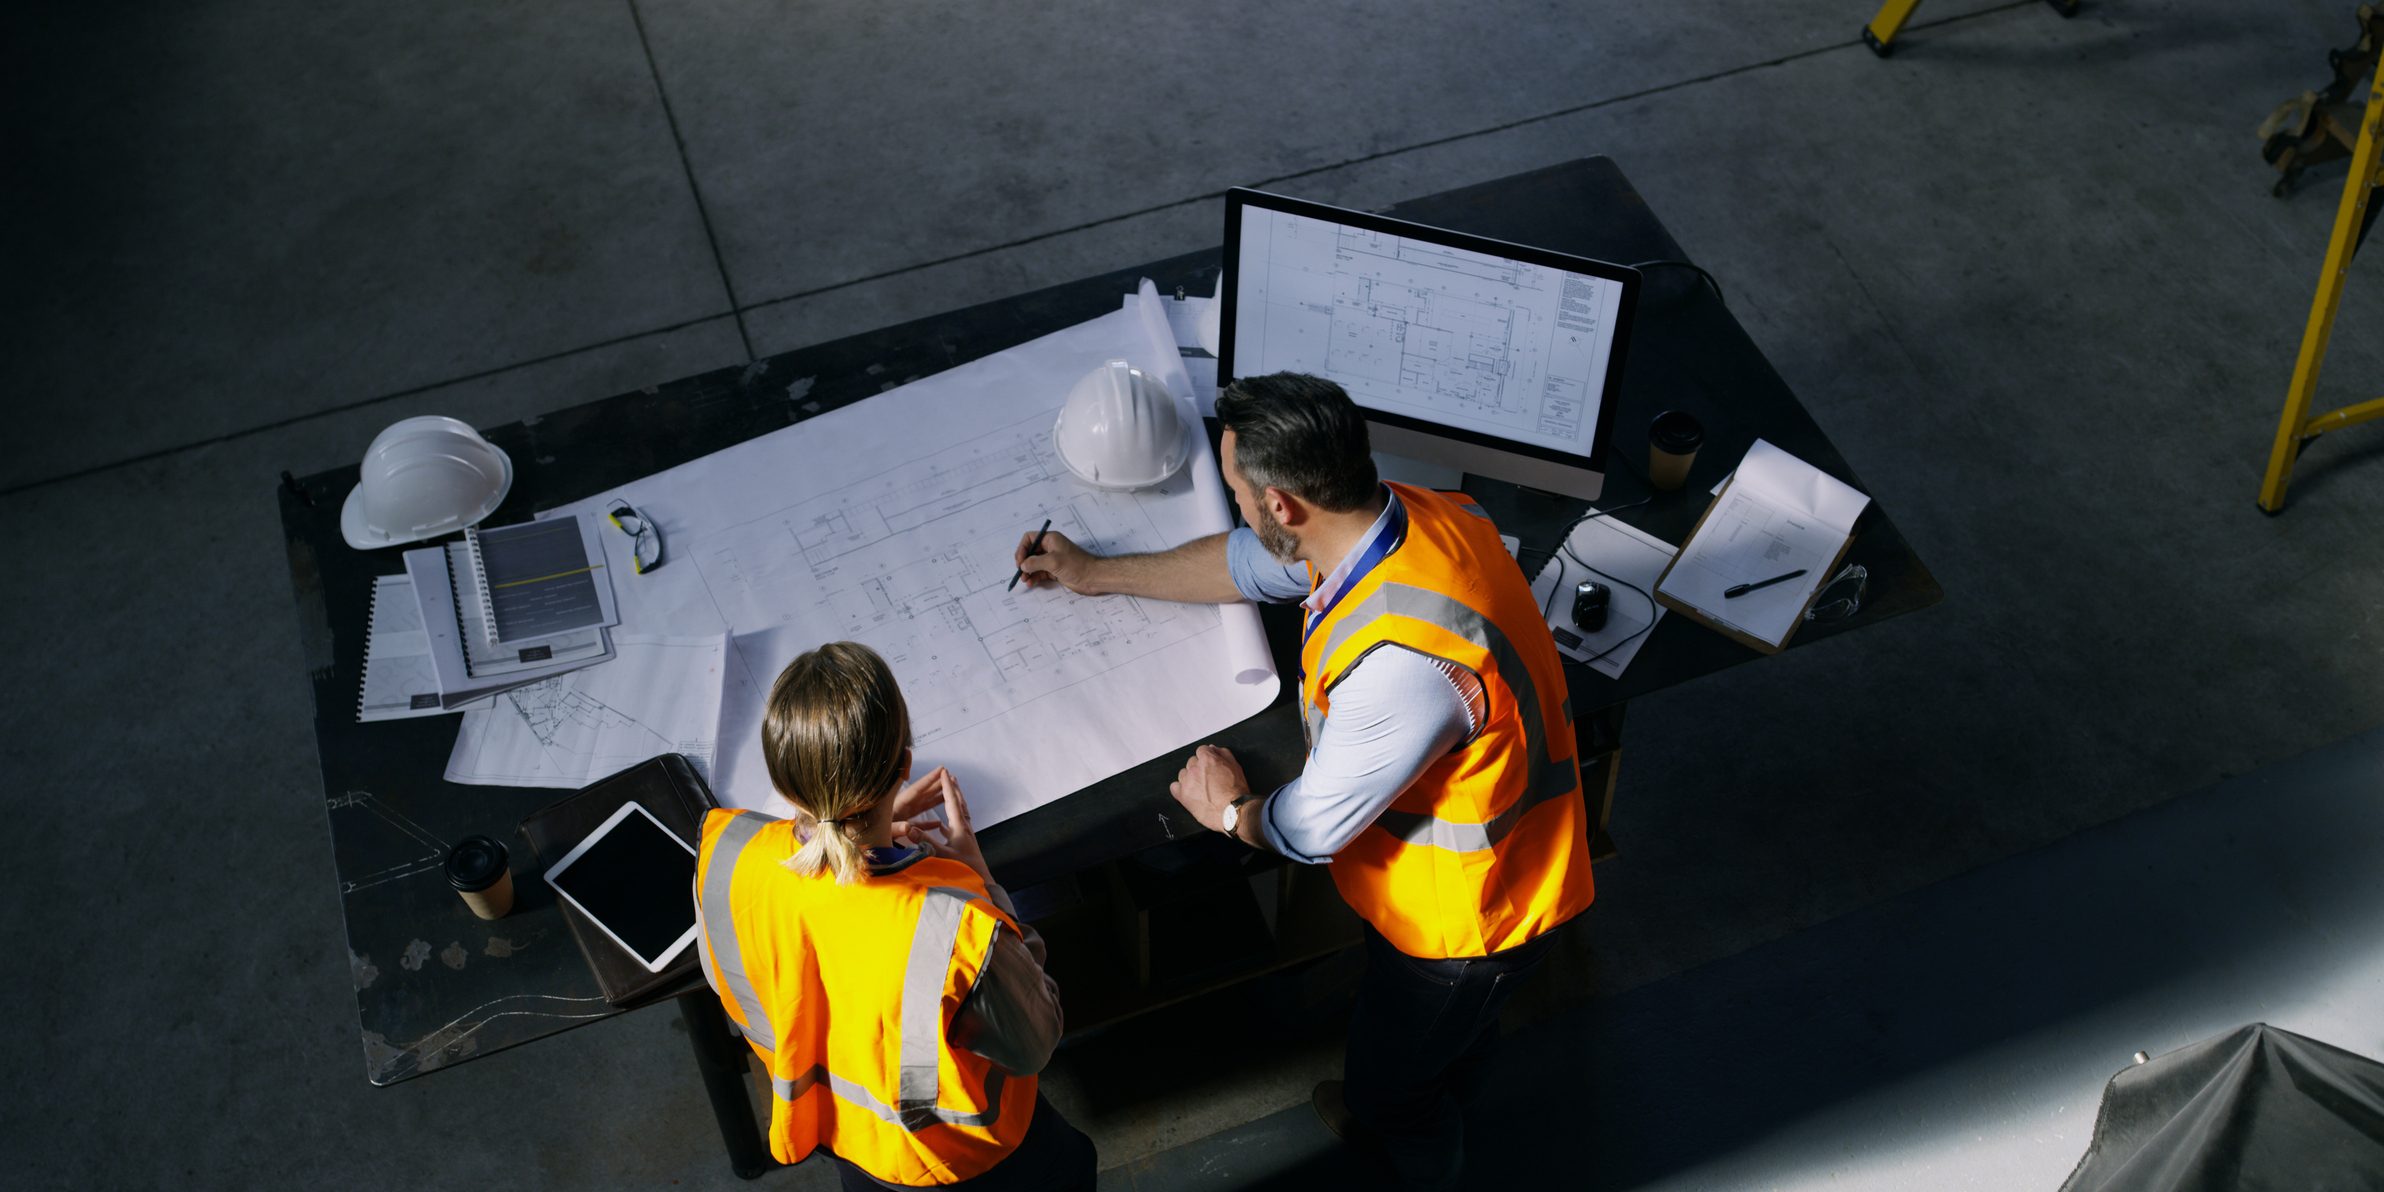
pixel 647 552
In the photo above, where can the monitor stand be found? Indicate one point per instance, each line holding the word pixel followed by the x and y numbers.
pixel 1446 459
pixel 1420 473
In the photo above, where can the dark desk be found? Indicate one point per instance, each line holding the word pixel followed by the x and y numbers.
pixel 435 986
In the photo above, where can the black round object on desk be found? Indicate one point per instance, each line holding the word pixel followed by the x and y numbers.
pixel 1676 432
pixel 475 863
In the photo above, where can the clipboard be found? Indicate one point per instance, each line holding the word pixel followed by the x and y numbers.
pixel 1734 633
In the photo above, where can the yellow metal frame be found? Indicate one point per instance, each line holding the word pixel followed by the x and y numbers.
pixel 1880 34
pixel 2297 427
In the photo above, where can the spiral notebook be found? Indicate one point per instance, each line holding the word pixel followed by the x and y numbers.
pixel 467 667
pixel 535 581
pixel 398 678
pixel 523 598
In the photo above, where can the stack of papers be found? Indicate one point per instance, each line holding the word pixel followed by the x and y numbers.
pixel 496 611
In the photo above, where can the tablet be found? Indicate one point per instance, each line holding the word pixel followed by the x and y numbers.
pixel 634 879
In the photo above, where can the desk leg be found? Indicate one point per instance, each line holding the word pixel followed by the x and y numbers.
pixel 1599 738
pixel 722 1059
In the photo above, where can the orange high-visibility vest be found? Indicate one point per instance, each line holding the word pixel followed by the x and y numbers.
pixel 846 993
pixel 1489 847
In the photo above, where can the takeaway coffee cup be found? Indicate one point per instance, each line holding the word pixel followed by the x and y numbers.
pixel 1672 443
pixel 476 867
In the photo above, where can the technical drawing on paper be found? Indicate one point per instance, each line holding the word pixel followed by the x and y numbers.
pixel 915 564
pixel 659 695
pixel 1502 345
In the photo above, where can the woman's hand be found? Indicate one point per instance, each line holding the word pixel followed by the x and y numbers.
pixel 916 799
pixel 956 838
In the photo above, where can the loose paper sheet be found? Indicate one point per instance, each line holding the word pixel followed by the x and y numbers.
pixel 1183 319
pixel 892 522
pixel 1615 555
pixel 659 695
pixel 1777 515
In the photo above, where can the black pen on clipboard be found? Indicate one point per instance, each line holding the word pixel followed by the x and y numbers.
pixel 1742 589
pixel 1036 548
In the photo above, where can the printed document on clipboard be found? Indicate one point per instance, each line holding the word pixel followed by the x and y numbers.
pixel 1776 515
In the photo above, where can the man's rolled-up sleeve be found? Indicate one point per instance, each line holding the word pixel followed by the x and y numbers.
pixel 1392 716
pixel 1262 578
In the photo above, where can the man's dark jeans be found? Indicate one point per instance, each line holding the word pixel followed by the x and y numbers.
pixel 1416 1025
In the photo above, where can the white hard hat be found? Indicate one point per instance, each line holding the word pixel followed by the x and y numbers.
pixel 423 477
pixel 1121 429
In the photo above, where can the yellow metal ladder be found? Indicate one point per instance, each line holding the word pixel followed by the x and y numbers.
pixel 1880 34
pixel 2352 219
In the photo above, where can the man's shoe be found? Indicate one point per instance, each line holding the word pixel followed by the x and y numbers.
pixel 1333 1110
pixel 1365 1146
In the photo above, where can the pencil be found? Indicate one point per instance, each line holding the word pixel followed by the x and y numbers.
pixel 1033 548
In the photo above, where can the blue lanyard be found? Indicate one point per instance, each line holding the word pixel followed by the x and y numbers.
pixel 1393 533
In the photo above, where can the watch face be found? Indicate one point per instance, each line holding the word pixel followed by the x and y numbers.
pixel 1233 816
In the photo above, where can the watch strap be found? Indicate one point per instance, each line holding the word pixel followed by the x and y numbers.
pixel 1233 813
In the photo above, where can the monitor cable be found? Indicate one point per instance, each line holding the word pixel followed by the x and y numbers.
pixel 1677 264
pixel 1564 547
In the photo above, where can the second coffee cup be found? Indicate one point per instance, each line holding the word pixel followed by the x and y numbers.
pixel 1672 443
pixel 478 869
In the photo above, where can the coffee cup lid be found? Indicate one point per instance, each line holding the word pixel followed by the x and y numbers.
pixel 1676 431
pixel 475 863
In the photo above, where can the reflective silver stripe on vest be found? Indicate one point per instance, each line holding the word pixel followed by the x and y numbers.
pixel 720 927
pixel 1543 779
pixel 855 1095
pixel 933 942
pixel 788 1090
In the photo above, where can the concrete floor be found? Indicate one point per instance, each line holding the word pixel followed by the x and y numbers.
pixel 1956 1037
pixel 2026 273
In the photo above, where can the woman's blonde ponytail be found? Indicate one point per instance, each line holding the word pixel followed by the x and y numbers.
pixel 830 847
pixel 835 740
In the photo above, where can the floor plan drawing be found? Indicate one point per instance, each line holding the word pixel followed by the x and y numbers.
pixel 892 521
pixel 1496 344
pixel 659 695
pixel 917 565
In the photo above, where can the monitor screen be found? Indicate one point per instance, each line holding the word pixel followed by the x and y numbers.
pixel 1491 357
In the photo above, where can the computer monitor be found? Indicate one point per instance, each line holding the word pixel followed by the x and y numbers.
pixel 1470 353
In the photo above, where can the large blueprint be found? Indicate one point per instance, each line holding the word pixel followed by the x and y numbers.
pixel 892 522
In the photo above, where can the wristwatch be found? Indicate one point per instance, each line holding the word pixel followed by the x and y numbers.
pixel 1231 822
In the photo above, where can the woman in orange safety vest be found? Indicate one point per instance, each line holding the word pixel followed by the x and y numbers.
pixel 873 964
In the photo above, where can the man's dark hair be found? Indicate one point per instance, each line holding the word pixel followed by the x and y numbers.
pixel 1300 434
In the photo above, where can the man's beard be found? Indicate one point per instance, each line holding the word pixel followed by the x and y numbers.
pixel 1279 542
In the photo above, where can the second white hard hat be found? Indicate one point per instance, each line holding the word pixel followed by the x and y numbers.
pixel 1121 429
pixel 423 477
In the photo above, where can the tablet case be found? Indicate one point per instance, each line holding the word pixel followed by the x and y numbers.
pixel 669 787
